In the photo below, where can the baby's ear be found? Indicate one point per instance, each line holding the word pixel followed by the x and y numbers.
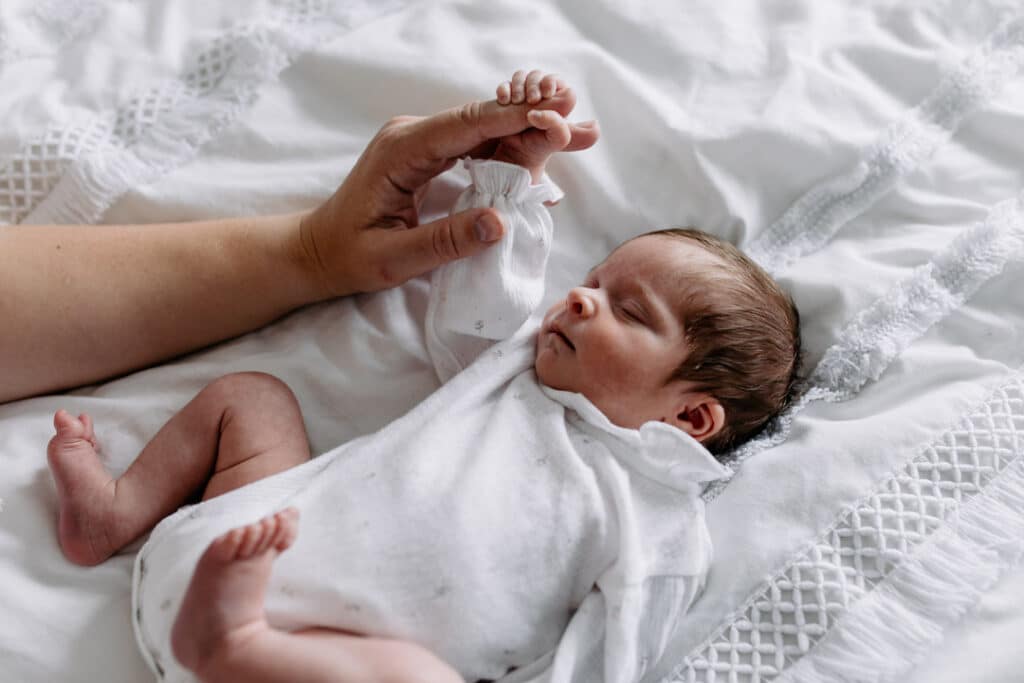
pixel 700 415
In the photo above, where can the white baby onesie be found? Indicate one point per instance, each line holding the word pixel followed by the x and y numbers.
pixel 508 527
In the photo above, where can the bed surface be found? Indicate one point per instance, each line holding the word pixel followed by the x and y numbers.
pixel 718 115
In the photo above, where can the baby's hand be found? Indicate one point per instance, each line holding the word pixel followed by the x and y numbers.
pixel 551 133
pixel 529 87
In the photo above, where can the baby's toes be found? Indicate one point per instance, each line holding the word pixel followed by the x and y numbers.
pixel 224 548
pixel 68 426
pixel 251 537
pixel 287 528
pixel 90 431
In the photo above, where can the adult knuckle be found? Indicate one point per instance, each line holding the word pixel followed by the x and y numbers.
pixel 399 121
pixel 469 114
pixel 444 244
pixel 392 132
pixel 386 277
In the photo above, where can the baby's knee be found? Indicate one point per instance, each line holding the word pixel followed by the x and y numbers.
pixel 251 388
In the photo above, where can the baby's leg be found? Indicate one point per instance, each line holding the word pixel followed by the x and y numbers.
pixel 240 428
pixel 221 633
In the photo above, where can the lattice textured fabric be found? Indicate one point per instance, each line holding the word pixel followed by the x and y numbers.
pixel 784 619
pixel 73 172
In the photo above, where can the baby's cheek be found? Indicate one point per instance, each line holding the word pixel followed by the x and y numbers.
pixel 555 309
pixel 614 368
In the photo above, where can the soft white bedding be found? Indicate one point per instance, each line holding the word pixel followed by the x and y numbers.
pixel 719 115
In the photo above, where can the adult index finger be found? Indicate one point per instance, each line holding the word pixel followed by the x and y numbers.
pixel 455 132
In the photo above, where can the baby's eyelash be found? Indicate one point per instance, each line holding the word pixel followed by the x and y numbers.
pixel 630 313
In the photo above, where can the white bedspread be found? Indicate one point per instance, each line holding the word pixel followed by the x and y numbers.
pixel 719 115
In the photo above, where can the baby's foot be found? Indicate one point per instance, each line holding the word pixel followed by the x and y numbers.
pixel 85 491
pixel 224 600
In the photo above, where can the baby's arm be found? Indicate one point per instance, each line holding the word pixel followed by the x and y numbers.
pixel 486 298
pixel 551 133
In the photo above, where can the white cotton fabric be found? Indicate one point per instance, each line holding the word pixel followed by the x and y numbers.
pixel 501 524
pixel 712 115
pixel 476 302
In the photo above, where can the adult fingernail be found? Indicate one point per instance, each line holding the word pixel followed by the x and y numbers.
pixel 487 228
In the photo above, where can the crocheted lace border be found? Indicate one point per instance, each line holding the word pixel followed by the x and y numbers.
pixel 815 217
pixel 877 335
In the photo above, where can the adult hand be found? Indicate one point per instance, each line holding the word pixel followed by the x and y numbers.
pixel 367 235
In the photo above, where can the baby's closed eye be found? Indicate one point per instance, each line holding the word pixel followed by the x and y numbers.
pixel 633 312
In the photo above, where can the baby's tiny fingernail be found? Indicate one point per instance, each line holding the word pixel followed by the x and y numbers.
pixel 487 228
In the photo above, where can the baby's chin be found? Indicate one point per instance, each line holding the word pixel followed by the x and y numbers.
pixel 547 375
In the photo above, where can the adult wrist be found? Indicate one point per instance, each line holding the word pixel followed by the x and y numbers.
pixel 309 257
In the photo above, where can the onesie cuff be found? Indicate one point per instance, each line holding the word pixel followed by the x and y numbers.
pixel 499 178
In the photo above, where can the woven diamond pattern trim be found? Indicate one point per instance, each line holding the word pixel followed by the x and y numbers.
pixel 33 172
pixel 794 609
pixel 30 174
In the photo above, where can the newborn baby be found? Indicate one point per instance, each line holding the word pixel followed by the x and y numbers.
pixel 538 517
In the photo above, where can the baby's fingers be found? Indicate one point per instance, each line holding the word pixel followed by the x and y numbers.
pixel 518 87
pixel 530 87
pixel 549 85
pixel 533 79
pixel 556 129
pixel 504 93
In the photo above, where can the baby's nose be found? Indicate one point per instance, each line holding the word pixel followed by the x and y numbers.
pixel 580 303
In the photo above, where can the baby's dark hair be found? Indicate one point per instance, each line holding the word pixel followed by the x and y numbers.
pixel 743 335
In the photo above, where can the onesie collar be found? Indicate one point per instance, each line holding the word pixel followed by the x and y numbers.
pixel 659 451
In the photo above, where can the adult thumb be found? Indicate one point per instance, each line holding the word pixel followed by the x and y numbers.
pixel 430 245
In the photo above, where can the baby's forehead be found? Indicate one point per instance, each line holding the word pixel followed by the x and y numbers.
pixel 672 257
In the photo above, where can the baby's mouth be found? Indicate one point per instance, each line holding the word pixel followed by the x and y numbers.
pixel 561 335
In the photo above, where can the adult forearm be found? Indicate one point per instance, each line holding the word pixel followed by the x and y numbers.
pixel 79 304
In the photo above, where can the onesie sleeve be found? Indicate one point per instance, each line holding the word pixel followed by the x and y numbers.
pixel 477 301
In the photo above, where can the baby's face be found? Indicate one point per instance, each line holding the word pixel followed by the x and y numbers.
pixel 618 337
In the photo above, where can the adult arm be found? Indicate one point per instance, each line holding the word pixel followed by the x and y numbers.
pixel 83 304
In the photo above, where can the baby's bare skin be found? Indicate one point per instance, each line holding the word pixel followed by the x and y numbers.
pixel 239 429
pixel 221 632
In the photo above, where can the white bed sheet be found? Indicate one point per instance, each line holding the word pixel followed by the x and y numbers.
pixel 714 114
